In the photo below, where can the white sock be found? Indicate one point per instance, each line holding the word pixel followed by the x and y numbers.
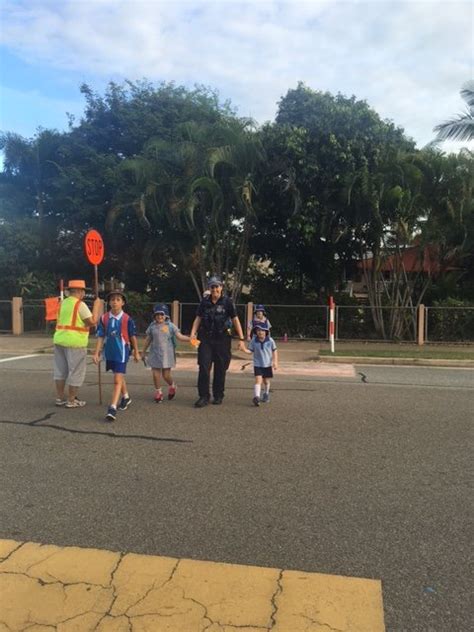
pixel 256 390
pixel 158 389
pixel 125 395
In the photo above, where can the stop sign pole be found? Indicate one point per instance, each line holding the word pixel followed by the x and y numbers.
pixel 94 249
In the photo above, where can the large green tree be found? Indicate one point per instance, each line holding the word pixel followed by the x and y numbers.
pixel 193 196
pixel 316 145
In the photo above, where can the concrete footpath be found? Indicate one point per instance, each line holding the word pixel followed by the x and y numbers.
pixel 290 353
pixel 73 589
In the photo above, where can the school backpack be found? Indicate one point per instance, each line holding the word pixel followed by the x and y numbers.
pixel 123 324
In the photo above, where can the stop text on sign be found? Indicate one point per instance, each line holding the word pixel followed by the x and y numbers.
pixel 94 247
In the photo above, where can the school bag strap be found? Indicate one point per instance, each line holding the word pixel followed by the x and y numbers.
pixel 123 325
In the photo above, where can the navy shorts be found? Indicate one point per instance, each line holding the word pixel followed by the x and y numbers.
pixel 116 367
pixel 264 371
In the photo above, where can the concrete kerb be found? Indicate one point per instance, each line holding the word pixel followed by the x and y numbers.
pixel 398 361
pixel 306 352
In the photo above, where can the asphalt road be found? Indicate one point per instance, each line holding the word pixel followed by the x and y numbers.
pixel 366 476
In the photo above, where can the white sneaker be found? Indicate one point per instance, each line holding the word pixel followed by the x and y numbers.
pixel 77 403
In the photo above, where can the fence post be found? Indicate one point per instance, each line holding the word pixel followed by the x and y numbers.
pixel 331 322
pixel 175 313
pixel 249 317
pixel 18 325
pixel 421 325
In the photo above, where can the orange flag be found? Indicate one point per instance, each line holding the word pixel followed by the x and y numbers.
pixel 52 308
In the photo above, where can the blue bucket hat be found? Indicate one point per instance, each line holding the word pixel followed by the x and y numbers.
pixel 214 280
pixel 262 326
pixel 259 308
pixel 160 308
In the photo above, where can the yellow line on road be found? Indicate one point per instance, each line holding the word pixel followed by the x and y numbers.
pixel 70 589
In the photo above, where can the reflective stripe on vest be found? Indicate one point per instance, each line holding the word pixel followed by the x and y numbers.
pixel 70 329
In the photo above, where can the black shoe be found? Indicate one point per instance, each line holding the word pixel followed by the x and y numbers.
pixel 217 401
pixel 256 401
pixel 201 402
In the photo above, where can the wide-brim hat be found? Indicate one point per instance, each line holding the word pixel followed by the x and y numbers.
pixel 115 293
pixel 77 284
pixel 160 308
pixel 263 326
pixel 259 308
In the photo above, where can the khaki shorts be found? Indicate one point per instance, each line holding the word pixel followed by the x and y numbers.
pixel 70 364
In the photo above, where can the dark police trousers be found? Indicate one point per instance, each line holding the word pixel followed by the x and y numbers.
pixel 217 351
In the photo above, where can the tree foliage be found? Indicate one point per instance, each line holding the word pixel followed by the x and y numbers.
pixel 181 187
pixel 461 127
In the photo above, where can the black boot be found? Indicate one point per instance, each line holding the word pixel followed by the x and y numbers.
pixel 201 402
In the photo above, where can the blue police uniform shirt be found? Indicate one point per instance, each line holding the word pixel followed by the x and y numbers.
pixel 262 351
pixel 115 347
pixel 216 317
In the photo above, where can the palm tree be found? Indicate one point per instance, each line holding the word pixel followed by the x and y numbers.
pixel 460 128
pixel 200 186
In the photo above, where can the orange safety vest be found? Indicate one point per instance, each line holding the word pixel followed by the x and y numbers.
pixel 70 328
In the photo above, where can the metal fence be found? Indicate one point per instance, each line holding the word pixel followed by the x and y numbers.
pixel 5 316
pixel 449 324
pixel 297 322
pixel 356 322
pixel 34 313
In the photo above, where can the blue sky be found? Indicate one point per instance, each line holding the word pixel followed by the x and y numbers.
pixel 407 59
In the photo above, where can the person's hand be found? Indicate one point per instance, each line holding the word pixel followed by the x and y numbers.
pixel 136 355
pixel 241 346
pixel 96 357
pixel 275 367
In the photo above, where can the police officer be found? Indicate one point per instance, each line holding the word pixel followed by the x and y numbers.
pixel 212 324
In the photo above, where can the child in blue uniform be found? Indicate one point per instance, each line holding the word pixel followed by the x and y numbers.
pixel 259 317
pixel 162 335
pixel 119 333
pixel 265 357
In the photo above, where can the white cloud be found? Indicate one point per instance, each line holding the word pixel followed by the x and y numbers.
pixel 408 59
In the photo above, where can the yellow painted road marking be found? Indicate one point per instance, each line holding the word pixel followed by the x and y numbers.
pixel 72 589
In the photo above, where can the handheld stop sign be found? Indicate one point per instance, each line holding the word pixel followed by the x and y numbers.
pixel 94 250
pixel 94 247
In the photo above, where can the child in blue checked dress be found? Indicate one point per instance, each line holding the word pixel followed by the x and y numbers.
pixel 117 331
pixel 161 337
pixel 265 358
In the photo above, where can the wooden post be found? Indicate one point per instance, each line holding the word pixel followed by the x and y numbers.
pixel 421 325
pixel 18 325
pixel 249 317
pixel 96 292
pixel 175 313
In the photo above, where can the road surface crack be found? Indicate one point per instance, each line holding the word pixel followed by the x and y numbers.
pixel 277 592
